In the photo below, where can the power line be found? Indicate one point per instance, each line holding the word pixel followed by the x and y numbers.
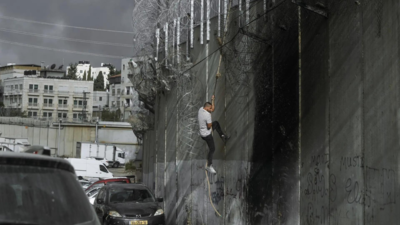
pixel 66 39
pixel 62 25
pixel 60 50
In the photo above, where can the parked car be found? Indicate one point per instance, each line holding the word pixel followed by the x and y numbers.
pixel 85 183
pixel 90 168
pixel 91 194
pixel 128 204
pixel 41 190
pixel 38 150
pixel 101 183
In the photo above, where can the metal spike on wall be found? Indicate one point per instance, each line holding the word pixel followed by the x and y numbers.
pixel 219 18
pixel 208 20
pixel 166 43
pixel 158 42
pixel 201 21
pixel 240 13
pixel 178 35
pixel 173 42
pixel 225 14
pixel 265 9
pixel 247 12
pixel 191 22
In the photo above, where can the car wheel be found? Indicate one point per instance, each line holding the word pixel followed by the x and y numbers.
pixel 116 165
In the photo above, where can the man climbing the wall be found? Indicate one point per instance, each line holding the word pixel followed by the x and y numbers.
pixel 205 126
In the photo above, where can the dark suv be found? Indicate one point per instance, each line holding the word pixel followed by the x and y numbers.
pixel 41 190
pixel 128 204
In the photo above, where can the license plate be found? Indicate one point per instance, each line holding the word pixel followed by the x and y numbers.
pixel 135 222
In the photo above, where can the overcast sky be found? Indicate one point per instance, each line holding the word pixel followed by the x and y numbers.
pixel 100 14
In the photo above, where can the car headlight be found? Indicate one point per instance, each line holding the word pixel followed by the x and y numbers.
pixel 114 214
pixel 159 212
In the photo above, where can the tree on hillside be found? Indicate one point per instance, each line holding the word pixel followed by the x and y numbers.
pixel 90 74
pixel 72 71
pixel 99 82
pixel 84 75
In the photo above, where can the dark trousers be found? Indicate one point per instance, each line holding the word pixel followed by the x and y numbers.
pixel 210 141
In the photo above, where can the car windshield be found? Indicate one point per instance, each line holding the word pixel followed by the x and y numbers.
pixel 118 195
pixel 37 195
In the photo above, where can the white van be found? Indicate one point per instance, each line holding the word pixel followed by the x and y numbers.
pixel 90 168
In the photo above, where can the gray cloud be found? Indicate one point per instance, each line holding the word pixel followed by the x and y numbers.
pixel 101 14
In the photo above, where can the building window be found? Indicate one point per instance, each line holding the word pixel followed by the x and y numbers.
pixel 20 87
pixel 33 88
pixel 32 114
pixel 113 92
pixel 123 67
pixel 33 102
pixel 16 86
pixel 48 88
pixel 62 115
pixel 47 114
pixel 48 102
pixel 118 91
pixel 100 99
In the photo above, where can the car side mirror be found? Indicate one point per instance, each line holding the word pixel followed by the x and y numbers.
pixel 160 199
pixel 100 201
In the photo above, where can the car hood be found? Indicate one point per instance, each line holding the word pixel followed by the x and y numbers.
pixel 132 208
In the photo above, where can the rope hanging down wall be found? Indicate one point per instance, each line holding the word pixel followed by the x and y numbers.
pixel 218 75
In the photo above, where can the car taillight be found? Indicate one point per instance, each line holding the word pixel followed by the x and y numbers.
pixel 35 152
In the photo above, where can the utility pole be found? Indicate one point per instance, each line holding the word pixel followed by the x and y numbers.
pixel 58 137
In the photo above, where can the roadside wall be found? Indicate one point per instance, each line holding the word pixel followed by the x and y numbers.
pixel 45 134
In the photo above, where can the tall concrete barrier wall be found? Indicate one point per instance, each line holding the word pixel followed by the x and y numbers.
pixel 350 114
pixel 257 180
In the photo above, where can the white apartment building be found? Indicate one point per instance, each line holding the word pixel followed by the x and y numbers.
pixel 13 70
pixel 128 93
pixel 50 99
pixel 84 66
pixel 100 101
pixel 115 100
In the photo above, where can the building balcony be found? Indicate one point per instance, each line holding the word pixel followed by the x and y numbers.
pixel 62 107
pixel 33 92
pixel 46 118
pixel 14 105
pixel 63 93
pixel 48 92
pixel 48 105
pixel 14 92
pixel 79 107
pixel 33 105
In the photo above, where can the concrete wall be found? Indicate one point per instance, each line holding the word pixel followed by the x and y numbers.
pixel 257 179
pixel 350 114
